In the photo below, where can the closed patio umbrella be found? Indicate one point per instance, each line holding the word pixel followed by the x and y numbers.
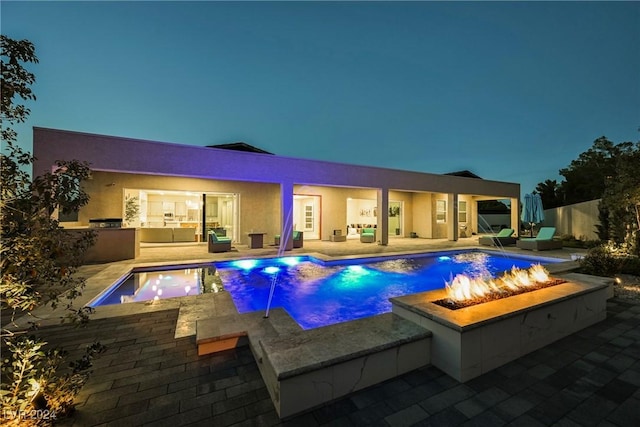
pixel 532 210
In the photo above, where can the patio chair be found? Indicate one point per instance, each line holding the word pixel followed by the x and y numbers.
pixel 218 244
pixel 503 238
pixel 298 239
pixel 542 242
pixel 368 235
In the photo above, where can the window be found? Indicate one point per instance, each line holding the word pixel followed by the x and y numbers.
pixel 462 211
pixel 441 211
pixel 308 217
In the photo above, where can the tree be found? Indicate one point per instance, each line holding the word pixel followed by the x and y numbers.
pixel 37 258
pixel 586 177
pixel 621 200
pixel 492 206
pixel 550 193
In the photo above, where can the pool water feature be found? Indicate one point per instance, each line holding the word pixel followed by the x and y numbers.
pixel 313 292
pixel 317 294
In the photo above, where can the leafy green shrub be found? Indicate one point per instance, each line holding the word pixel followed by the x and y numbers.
pixel 41 392
pixel 569 241
pixel 630 265
pixel 38 261
pixel 601 261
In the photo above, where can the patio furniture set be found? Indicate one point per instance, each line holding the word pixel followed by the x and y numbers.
pixel 542 242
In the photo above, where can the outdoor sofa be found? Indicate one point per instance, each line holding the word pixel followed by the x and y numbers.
pixel 503 238
pixel 218 244
pixel 542 242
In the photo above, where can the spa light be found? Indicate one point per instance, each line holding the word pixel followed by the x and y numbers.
pixel 245 264
pixel 291 261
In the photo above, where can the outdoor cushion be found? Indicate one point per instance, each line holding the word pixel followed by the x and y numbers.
pixel 218 244
pixel 503 238
pixel 542 242
pixel 505 232
pixel 217 238
pixel 368 235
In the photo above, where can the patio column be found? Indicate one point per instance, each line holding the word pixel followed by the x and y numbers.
pixel 515 215
pixel 286 209
pixel 382 232
pixel 452 217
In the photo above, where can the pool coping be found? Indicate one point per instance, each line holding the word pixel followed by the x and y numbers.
pixel 97 283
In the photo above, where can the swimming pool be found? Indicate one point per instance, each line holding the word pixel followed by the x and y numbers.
pixel 313 292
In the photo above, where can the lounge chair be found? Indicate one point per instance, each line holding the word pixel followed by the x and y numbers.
pixel 542 242
pixel 218 244
pixel 503 238
pixel 368 235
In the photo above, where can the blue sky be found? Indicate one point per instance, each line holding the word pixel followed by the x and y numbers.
pixel 510 91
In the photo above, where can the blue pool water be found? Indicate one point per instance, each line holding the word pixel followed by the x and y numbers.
pixel 313 292
pixel 318 294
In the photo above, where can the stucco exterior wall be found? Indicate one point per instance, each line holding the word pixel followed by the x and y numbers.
pixel 108 153
pixel 578 220
pixel 259 202
pixel 120 163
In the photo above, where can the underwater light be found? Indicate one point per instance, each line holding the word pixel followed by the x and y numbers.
pixel 291 261
pixel 271 269
pixel 444 258
pixel 245 264
pixel 356 269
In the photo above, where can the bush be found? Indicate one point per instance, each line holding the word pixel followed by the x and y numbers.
pixel 601 261
pixel 630 265
pixel 569 241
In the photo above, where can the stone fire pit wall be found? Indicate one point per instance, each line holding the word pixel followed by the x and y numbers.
pixel 474 340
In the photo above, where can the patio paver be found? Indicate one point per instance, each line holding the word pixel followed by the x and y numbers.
pixel 148 377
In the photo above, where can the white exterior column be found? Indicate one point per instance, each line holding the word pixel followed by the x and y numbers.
pixel 382 231
pixel 515 215
pixel 286 209
pixel 452 217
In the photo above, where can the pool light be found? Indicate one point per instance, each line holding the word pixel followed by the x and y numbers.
pixel 291 261
pixel 245 264
pixel 271 269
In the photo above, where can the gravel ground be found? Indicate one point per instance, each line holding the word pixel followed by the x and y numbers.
pixel 628 287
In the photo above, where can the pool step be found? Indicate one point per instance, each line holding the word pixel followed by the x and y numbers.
pixel 226 332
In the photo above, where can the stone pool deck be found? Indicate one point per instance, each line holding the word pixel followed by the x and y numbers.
pixel 152 375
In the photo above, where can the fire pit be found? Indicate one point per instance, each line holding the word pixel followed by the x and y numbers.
pixel 478 338
pixel 464 291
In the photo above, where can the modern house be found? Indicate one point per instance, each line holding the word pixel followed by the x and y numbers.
pixel 238 191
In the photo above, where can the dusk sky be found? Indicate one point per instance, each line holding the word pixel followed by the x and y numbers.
pixel 510 91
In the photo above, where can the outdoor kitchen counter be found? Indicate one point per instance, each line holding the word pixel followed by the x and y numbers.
pixel 112 244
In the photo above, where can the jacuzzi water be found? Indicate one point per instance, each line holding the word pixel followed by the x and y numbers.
pixel 313 292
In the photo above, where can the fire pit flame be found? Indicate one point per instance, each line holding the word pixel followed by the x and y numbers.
pixel 463 288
